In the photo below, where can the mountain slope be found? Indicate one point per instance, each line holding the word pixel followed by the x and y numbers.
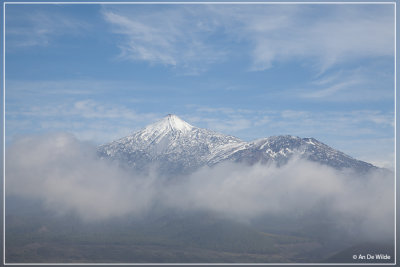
pixel 279 149
pixel 172 143
pixel 175 146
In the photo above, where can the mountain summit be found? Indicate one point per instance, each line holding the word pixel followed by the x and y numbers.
pixel 175 146
pixel 170 122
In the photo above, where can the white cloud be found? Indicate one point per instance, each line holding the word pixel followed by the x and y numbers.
pixel 222 119
pixel 333 89
pixel 361 84
pixel 352 132
pixel 230 125
pixel 173 37
pixel 145 42
pixel 344 33
pixel 88 119
pixel 66 174
pixel 322 35
pixel 74 179
pixel 348 123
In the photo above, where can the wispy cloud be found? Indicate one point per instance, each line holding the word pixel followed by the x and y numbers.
pixel 342 33
pixel 88 119
pixel 232 124
pixel 350 85
pixel 91 118
pixel 332 89
pixel 32 27
pixel 339 129
pixel 301 122
pixel 26 88
pixel 174 37
pixel 184 36
pixel 339 123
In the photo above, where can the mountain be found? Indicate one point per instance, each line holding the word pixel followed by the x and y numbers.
pixel 279 149
pixel 172 143
pixel 175 146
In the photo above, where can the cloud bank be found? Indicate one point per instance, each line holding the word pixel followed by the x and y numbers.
pixel 67 175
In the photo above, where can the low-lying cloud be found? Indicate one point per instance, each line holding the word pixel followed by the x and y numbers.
pixel 67 175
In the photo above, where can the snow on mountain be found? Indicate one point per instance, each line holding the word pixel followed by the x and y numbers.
pixel 175 146
pixel 279 149
pixel 171 143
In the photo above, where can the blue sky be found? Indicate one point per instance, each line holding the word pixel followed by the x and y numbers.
pixel 252 71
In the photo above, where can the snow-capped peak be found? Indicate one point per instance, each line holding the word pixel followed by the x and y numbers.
pixel 170 122
pixel 177 146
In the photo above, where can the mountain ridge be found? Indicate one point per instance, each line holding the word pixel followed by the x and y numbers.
pixel 178 147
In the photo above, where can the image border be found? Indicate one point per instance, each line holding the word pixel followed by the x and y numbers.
pixel 394 3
